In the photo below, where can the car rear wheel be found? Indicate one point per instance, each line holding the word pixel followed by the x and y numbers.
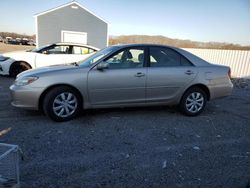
pixel 62 104
pixel 193 101
pixel 17 68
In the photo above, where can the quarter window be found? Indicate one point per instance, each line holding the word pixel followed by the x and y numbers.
pixel 185 62
pixel 128 58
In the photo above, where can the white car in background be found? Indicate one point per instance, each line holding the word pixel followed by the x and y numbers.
pixel 14 63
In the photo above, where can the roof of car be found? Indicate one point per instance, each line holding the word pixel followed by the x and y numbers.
pixel 76 44
pixel 142 44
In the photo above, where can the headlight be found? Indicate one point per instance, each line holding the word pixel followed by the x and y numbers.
pixel 25 80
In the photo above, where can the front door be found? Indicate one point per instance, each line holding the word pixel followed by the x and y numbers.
pixel 53 55
pixel 123 80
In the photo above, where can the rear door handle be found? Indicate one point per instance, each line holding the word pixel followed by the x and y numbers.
pixel 189 72
pixel 139 74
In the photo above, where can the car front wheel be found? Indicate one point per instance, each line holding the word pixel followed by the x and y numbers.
pixel 62 104
pixel 193 101
pixel 17 68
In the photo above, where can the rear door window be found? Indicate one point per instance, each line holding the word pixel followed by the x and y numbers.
pixel 164 57
pixel 78 50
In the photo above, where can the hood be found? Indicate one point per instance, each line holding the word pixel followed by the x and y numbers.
pixel 17 54
pixel 46 70
pixel 2 58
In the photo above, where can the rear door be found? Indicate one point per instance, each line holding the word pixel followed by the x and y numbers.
pixel 122 82
pixel 168 73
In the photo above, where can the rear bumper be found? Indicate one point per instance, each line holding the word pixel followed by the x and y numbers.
pixel 25 97
pixel 221 90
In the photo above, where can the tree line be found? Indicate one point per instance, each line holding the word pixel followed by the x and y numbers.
pixel 16 35
pixel 127 39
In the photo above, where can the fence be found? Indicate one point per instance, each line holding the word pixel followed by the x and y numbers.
pixel 238 60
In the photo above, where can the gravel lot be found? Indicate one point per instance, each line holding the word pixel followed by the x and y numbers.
pixel 10 47
pixel 133 147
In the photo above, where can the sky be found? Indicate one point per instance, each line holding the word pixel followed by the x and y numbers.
pixel 198 20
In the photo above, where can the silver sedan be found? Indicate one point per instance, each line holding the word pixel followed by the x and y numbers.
pixel 122 76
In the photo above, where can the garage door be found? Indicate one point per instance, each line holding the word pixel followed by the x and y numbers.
pixel 75 37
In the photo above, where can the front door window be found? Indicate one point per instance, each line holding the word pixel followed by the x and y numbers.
pixel 57 49
pixel 128 58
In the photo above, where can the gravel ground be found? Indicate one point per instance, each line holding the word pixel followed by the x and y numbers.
pixel 133 147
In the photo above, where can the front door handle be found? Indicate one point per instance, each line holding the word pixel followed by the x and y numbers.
pixel 189 72
pixel 139 74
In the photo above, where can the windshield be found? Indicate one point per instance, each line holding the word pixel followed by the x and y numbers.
pixel 97 56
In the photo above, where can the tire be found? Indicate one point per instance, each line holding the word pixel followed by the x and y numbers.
pixel 62 104
pixel 193 101
pixel 17 68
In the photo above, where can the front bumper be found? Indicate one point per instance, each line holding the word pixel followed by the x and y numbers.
pixel 25 97
pixel 5 66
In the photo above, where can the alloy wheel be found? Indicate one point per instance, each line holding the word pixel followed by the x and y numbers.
pixel 194 102
pixel 65 104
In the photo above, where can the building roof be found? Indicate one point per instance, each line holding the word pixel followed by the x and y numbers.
pixel 67 4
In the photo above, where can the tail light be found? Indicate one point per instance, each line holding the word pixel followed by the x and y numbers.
pixel 229 73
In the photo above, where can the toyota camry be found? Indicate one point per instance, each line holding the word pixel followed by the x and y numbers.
pixel 123 76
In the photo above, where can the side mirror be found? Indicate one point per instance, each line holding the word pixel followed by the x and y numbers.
pixel 101 66
pixel 45 52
